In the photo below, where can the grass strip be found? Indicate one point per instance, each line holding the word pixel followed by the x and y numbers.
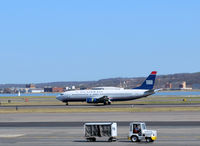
pixel 102 109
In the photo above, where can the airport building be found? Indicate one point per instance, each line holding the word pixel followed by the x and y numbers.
pixel 30 86
pixel 53 89
pixel 182 85
pixel 73 87
pixel 57 89
pixel 35 90
pixel 48 89
pixel 168 85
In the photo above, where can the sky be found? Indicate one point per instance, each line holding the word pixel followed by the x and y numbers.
pixel 85 40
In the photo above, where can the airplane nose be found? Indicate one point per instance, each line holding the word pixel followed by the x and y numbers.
pixel 59 97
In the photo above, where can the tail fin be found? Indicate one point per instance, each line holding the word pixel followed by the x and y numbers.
pixel 149 82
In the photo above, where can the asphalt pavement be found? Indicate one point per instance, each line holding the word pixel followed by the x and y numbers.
pixel 100 105
pixel 78 124
pixel 74 136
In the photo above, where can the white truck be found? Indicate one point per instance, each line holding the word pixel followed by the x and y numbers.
pixel 94 130
pixel 138 132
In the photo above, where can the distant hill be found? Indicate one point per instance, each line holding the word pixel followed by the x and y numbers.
pixel 192 80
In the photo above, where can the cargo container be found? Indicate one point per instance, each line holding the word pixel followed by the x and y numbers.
pixel 94 130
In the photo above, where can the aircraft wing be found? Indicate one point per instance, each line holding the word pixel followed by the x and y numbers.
pixel 97 99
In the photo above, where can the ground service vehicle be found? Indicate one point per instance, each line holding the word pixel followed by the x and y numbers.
pixel 138 132
pixel 94 130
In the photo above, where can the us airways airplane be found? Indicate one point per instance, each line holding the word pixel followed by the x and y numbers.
pixel 110 94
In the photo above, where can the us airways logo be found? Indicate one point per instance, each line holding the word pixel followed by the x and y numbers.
pixel 149 82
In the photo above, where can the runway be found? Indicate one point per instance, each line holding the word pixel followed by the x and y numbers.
pixel 100 105
pixel 79 124
pixel 100 116
pixel 50 129
pixel 74 136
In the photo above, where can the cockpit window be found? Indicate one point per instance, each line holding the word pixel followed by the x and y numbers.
pixel 61 94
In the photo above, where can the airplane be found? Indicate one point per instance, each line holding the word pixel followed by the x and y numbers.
pixel 110 95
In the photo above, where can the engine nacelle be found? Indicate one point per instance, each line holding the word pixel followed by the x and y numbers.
pixel 92 100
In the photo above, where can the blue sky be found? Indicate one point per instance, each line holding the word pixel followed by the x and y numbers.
pixel 78 40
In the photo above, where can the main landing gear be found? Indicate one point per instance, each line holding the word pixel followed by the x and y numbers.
pixel 107 103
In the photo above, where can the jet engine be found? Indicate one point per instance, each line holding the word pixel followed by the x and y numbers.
pixel 92 100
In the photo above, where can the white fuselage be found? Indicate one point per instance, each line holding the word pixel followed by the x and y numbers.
pixel 113 95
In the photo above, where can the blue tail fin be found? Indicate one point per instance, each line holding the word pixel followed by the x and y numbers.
pixel 149 82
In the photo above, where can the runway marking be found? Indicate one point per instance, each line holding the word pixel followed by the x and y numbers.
pixel 82 137
pixel 10 135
